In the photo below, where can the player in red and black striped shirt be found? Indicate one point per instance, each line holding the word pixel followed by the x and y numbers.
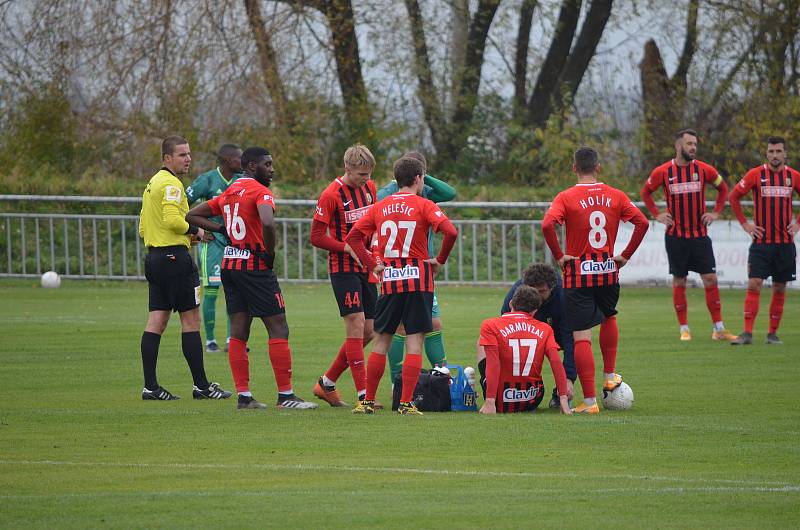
pixel 515 345
pixel 591 212
pixel 400 223
pixel 251 287
pixel 684 181
pixel 343 203
pixel 772 252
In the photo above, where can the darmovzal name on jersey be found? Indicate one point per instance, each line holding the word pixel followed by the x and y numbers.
pixel 517 327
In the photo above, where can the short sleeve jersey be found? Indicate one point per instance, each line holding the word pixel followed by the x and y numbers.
pixel 772 201
pixel 207 186
pixel 591 214
pixel 684 190
pixel 522 342
pixel 238 207
pixel 340 206
pixel 401 222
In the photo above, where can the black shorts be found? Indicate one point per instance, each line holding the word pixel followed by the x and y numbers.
pixel 172 279
pixel 354 293
pixel 590 306
pixel 413 309
pixel 519 396
pixel 254 292
pixel 778 260
pixel 690 254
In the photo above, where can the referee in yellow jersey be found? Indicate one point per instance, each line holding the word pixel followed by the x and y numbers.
pixel 171 274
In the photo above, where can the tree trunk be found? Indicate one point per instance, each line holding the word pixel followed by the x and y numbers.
pixel 656 100
pixel 460 20
pixel 341 21
pixel 267 58
pixel 422 67
pixel 521 57
pixel 547 81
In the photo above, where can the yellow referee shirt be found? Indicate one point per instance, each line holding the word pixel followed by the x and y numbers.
pixel 162 221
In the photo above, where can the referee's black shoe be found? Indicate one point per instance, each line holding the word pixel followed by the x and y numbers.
pixel 212 392
pixel 159 394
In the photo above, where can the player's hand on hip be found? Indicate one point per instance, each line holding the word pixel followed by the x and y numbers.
pixel 565 258
pixel 709 217
pixel 793 228
pixel 349 250
pixel 620 260
pixel 753 229
pixel 665 218
pixel 488 407
pixel 435 265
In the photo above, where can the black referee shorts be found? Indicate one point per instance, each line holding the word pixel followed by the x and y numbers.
pixel 778 260
pixel 590 306
pixel 172 279
pixel 690 254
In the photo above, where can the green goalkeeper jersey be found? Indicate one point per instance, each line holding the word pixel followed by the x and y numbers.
pixel 207 186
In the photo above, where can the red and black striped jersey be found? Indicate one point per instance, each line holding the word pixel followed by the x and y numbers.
pixel 684 191
pixel 772 200
pixel 591 214
pixel 238 206
pixel 521 343
pixel 340 206
pixel 401 222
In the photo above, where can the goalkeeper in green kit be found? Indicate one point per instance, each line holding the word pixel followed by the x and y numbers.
pixel 207 186
pixel 436 191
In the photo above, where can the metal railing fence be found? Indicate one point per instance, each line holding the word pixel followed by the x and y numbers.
pixel 94 246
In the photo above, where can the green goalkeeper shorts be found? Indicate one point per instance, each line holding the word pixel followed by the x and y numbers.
pixel 210 261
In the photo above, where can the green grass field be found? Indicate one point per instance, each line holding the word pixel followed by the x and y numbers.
pixel 712 440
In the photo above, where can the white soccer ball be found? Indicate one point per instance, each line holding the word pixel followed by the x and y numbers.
pixel 621 398
pixel 51 280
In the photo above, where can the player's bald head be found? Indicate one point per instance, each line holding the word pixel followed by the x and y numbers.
pixel 226 151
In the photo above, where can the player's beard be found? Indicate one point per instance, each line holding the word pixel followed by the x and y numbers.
pixel 775 165
pixel 686 156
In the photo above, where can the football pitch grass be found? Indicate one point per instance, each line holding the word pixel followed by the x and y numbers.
pixel 713 439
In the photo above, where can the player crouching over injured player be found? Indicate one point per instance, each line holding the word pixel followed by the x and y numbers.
pixel 515 345
pixel 401 222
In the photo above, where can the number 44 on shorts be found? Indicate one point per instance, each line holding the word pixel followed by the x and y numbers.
pixel 352 299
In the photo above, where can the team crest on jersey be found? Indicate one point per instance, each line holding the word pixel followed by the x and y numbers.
pixel 512 395
pixel 351 216
pixel 236 253
pixel 392 274
pixel 369 198
pixel 789 181
pixel 695 176
pixel 598 267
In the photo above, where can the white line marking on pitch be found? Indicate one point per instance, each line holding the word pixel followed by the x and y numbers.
pixel 744 484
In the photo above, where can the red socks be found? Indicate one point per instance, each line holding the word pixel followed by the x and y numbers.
pixel 609 340
pixel 281 359
pixel 411 367
pixel 354 349
pixel 338 366
pixel 679 301
pixel 713 303
pixel 240 366
pixel 584 363
pixel 375 368
pixel 776 310
pixel 751 310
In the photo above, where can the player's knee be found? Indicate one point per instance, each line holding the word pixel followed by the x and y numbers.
pixel 437 324
pixel 277 327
